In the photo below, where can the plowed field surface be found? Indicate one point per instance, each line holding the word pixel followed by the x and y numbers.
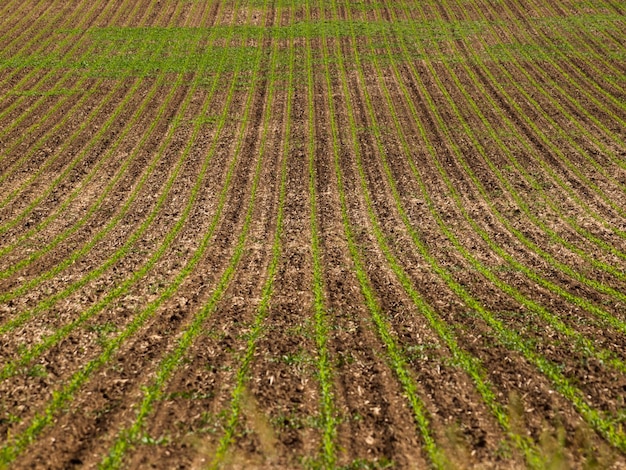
pixel 312 234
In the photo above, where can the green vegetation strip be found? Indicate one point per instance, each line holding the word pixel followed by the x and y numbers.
pixel 257 331
pixel 512 340
pixel 324 366
pixel 13 367
pixel 394 353
pixel 132 43
pixel 129 436
pixel 103 196
pixel 61 398
pixel 577 300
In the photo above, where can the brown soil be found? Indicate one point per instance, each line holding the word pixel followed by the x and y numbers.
pixel 416 168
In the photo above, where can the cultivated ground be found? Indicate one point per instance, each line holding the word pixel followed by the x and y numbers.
pixel 312 234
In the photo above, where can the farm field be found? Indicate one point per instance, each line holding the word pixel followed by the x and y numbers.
pixel 312 234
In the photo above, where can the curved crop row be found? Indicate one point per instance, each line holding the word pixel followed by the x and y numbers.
pixel 317 233
pixel 591 415
pixel 531 245
pixel 123 287
pixel 62 397
pixel 127 436
pixel 395 356
pixel 256 330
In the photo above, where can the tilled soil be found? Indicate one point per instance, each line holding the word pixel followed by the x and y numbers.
pixel 320 234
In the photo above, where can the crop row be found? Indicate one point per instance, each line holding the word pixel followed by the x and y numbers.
pixel 476 187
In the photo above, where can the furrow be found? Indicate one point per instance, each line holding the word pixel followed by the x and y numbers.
pixel 395 356
pixel 120 253
pixel 20 441
pixel 510 338
pixel 257 327
pixel 127 436
pixel 519 234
